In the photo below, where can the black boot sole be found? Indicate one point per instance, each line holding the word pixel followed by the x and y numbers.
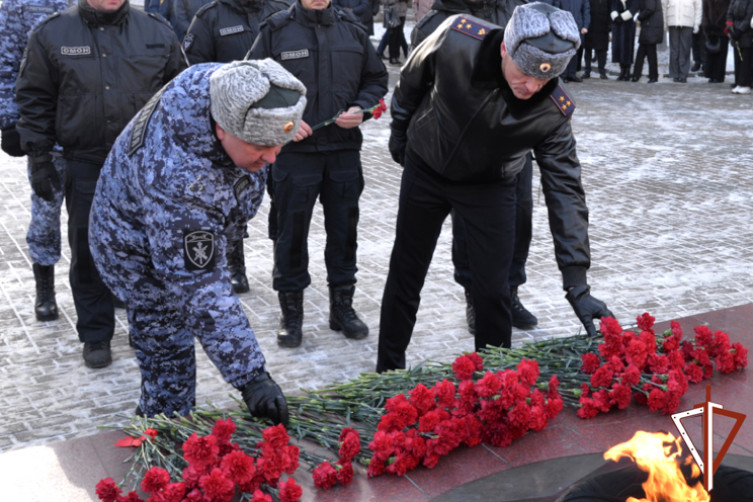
pixel 46 317
pixel 335 326
pixel 289 342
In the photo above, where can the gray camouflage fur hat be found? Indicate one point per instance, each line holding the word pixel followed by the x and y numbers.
pixel 257 101
pixel 541 39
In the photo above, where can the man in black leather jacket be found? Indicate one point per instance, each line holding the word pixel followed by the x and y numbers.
pixel 331 53
pixel 86 71
pixel 471 102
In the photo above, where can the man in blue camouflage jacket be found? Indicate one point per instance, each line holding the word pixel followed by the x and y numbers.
pixel 17 18
pixel 184 175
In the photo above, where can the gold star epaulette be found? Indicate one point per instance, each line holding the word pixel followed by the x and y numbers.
pixel 471 27
pixel 563 101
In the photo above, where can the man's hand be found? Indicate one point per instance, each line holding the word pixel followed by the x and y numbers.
pixel 397 144
pixel 44 177
pixel 586 307
pixel 351 118
pixel 265 399
pixel 304 131
pixel 11 141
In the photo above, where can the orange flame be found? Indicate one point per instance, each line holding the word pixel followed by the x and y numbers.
pixel 653 453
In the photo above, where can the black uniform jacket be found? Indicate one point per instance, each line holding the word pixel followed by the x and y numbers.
pixel 86 73
pixel 224 30
pixel 464 125
pixel 330 52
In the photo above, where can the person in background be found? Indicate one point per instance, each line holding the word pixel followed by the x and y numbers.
pixel 472 101
pixel 361 9
pixel 623 14
pixel 698 49
pixel 581 11
pixel 76 90
pixel 331 53
pixel 17 18
pixel 713 24
pixel 652 30
pixel 683 19
pixel 182 13
pixel 223 31
pixel 421 8
pixel 496 12
pixel 185 173
pixel 740 32
pixel 596 41
pixel 396 30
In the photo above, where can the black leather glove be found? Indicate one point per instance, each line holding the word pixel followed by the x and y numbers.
pixel 11 141
pixel 397 144
pixel 44 177
pixel 587 308
pixel 265 400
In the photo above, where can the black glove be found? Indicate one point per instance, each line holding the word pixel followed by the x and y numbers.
pixel 397 144
pixel 265 400
pixel 587 308
pixel 44 177
pixel 11 142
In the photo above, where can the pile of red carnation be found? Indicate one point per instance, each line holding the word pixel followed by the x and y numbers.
pixel 496 409
pixel 218 470
pixel 327 475
pixel 654 371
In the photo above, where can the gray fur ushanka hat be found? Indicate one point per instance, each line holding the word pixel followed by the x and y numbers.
pixel 541 39
pixel 257 101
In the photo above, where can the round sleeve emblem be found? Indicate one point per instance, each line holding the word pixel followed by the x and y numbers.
pixel 288 127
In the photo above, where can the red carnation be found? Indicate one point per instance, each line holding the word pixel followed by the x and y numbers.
pixel 345 473
pixel 489 385
pixel 463 367
pixel 422 399
pixel 350 444
pixel 174 492
pixel 155 479
pixel 703 336
pixel 646 322
pixel 200 450
pixel 150 432
pixel 657 400
pixel 131 497
pixel 239 467
pixel 620 396
pixel 740 354
pixel 444 392
pixel 223 430
pixel 217 486
pixel 610 326
pixel 107 490
pixel 325 476
pixel 290 491
pixel 631 376
pixel 260 496
pixel 602 377
pixel 528 371
pixel 276 436
pixel 590 363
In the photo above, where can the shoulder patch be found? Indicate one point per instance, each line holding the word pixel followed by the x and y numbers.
pixel 241 186
pixel 141 121
pixel 470 27
pixel 198 248
pixel 562 99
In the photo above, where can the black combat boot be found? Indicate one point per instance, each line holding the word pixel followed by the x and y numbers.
pixel 470 313
pixel 97 354
pixel 521 317
pixel 236 263
pixel 342 317
pixel 291 321
pixel 44 305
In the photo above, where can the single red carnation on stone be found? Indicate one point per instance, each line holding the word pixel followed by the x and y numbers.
pixel 290 491
pixel 325 476
pixel 345 473
pixel 107 490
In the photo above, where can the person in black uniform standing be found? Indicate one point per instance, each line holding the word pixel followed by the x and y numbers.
pixel 86 72
pixel 223 31
pixel 472 101
pixel 330 52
